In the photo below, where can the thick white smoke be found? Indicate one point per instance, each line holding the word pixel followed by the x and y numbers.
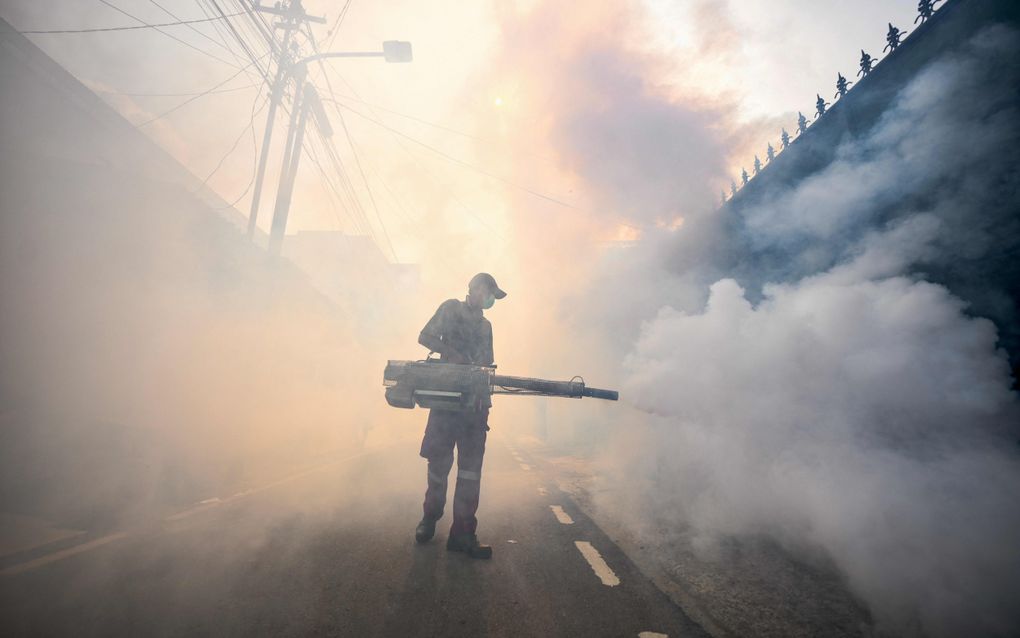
pixel 853 414
pixel 853 407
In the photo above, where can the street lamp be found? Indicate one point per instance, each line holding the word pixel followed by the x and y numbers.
pixel 397 51
pixel 305 100
pixel 393 51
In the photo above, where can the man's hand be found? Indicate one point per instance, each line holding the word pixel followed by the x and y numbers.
pixel 435 344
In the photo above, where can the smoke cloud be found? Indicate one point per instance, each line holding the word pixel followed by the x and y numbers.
pixel 807 369
pixel 835 397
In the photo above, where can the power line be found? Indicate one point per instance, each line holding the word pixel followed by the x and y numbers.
pixel 249 126
pixel 472 214
pixel 254 164
pixel 328 189
pixel 447 156
pixel 402 209
pixel 261 25
pixel 257 26
pixel 354 210
pixel 371 197
pixel 251 180
pixel 195 97
pixel 293 14
pixel 191 28
pixel 414 159
pixel 442 127
pixel 130 28
pixel 336 25
pixel 407 216
pixel 188 94
pixel 240 40
pixel 456 160
pixel 169 35
pixel 221 34
pixel 353 206
pixel 354 150
pixel 358 211
pixel 396 133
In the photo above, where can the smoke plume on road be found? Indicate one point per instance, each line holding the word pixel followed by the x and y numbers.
pixel 837 398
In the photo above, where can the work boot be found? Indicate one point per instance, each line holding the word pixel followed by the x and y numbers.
pixel 468 543
pixel 426 530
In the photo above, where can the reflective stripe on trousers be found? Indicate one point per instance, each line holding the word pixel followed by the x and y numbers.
pixel 465 497
pixel 445 431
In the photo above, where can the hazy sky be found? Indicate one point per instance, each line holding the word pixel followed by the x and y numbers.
pixel 759 62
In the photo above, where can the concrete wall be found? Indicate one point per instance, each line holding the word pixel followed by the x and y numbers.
pixel 149 354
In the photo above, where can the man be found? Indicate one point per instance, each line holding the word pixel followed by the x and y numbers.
pixel 460 334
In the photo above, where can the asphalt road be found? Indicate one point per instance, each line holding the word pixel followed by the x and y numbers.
pixel 331 552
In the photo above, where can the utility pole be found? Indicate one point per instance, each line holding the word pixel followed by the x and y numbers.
pixel 292 17
pixel 291 158
pixel 306 101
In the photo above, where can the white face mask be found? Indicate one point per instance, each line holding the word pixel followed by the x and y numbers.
pixel 489 301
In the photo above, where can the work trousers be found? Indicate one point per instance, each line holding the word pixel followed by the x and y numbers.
pixel 465 430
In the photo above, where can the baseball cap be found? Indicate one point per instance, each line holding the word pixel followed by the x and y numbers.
pixel 488 280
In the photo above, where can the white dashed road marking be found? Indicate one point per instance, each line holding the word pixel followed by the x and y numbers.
pixel 598 565
pixel 561 516
pixel 525 467
pixel 542 492
pixel 651 634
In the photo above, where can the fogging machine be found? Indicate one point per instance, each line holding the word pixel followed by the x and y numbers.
pixel 454 386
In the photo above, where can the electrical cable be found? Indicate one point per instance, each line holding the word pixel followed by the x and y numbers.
pixel 169 35
pixel 337 104
pixel 338 163
pixel 251 180
pixel 130 28
pixel 371 197
pixel 260 31
pixel 358 210
pixel 350 141
pixel 359 227
pixel 354 209
pixel 456 160
pixel 336 25
pixel 240 40
pixel 189 94
pixel 223 35
pixel 193 98
pixel 408 217
pixel 262 26
pixel 470 213
pixel 190 27
pixel 233 147
pixel 329 85
pixel 442 127
pixel 255 159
